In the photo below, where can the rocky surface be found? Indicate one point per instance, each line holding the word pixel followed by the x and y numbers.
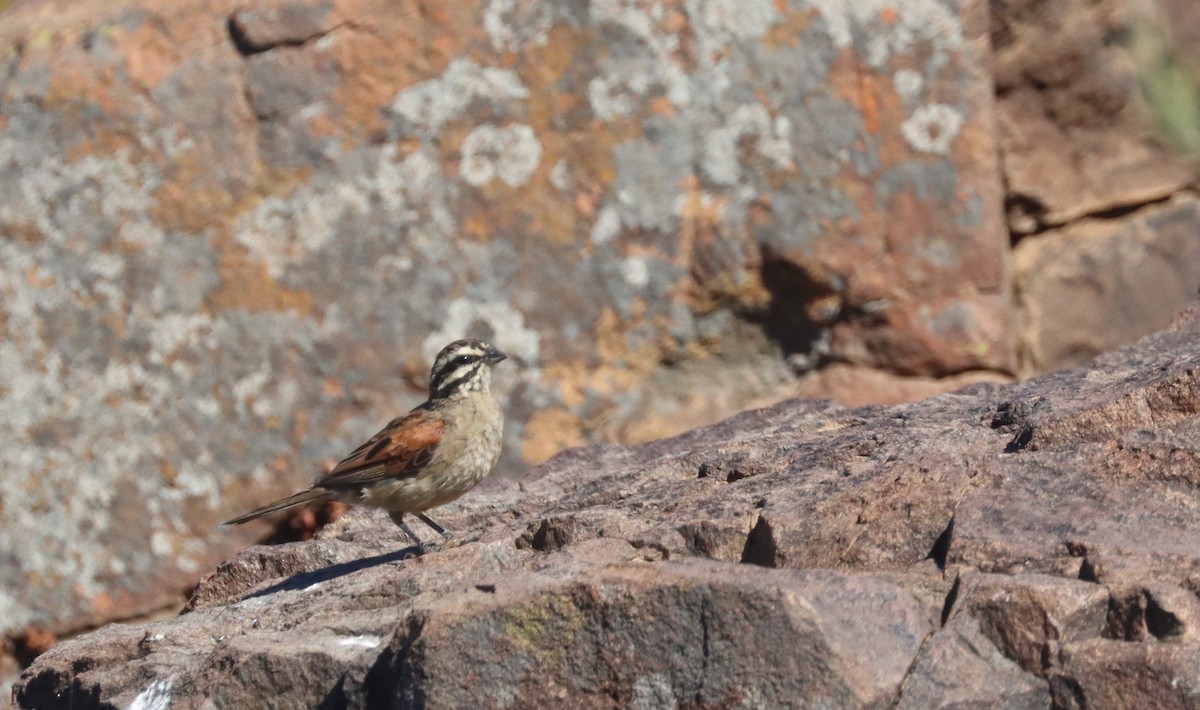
pixel 1098 126
pixel 1098 283
pixel 1099 145
pixel 233 237
pixel 1026 545
pixel 1077 137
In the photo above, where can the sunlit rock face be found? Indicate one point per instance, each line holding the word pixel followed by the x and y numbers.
pixel 234 237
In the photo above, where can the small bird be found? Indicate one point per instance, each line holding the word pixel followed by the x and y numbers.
pixel 428 457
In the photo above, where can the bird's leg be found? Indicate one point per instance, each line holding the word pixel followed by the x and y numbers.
pixel 398 518
pixel 451 539
pixel 436 528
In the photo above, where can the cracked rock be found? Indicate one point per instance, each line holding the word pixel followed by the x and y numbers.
pixel 616 576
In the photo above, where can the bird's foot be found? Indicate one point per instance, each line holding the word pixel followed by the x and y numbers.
pixel 450 541
pixel 453 540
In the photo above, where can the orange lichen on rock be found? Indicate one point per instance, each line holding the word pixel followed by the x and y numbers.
pixel 550 431
pixel 246 283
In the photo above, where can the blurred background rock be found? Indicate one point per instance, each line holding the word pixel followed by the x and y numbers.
pixel 233 235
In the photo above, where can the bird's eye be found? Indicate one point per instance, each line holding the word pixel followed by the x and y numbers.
pixel 461 360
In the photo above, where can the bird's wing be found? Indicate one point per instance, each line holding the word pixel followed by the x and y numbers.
pixel 399 450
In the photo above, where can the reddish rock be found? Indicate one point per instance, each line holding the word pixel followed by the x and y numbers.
pixel 1029 618
pixel 1114 674
pixel 961 667
pixel 1071 122
pixel 258 29
pixel 1097 284
pixel 235 235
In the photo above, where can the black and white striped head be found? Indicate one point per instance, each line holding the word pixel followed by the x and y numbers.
pixel 463 366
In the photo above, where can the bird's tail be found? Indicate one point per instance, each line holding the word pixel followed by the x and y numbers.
pixel 309 496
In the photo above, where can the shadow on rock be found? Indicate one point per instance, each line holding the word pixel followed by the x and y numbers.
pixel 305 580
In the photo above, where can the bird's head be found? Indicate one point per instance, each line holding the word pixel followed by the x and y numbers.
pixel 463 366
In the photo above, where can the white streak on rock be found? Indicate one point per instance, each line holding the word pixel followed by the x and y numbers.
pixel 360 641
pixel 156 696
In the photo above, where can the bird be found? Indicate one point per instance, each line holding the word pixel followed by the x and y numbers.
pixel 428 457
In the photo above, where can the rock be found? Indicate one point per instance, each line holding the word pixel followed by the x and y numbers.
pixel 1002 546
pixel 961 667
pixel 855 386
pixel 1179 16
pixel 234 237
pixel 1070 118
pixel 1113 674
pixel 1097 284
pixel 1028 617
pixel 254 30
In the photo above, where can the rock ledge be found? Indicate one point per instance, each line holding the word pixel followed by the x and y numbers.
pixel 1017 545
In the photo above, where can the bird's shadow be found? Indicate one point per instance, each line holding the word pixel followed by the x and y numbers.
pixel 304 580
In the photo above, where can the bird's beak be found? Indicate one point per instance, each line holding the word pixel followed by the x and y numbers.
pixel 493 356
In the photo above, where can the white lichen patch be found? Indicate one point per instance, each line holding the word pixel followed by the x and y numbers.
pixel 908 84
pixel 289 232
pixel 160 544
pixel 639 17
pixel 285 232
pixel 607 226
pixel 560 176
pixel 106 266
pixel 58 195
pixel 610 96
pixel 511 24
pixel 427 106
pixel 932 128
pixel 635 271
pixel 172 331
pixel 626 82
pixel 511 334
pixel 189 561
pixel 653 692
pixel 156 696
pixel 771 140
pixel 744 19
pixel 890 28
pixel 510 153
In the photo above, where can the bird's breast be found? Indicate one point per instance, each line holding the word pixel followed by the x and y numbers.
pixel 467 453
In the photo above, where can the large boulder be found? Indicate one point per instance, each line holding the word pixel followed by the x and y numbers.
pixel 1001 546
pixel 233 237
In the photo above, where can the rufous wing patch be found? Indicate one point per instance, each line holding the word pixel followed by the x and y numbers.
pixel 401 448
